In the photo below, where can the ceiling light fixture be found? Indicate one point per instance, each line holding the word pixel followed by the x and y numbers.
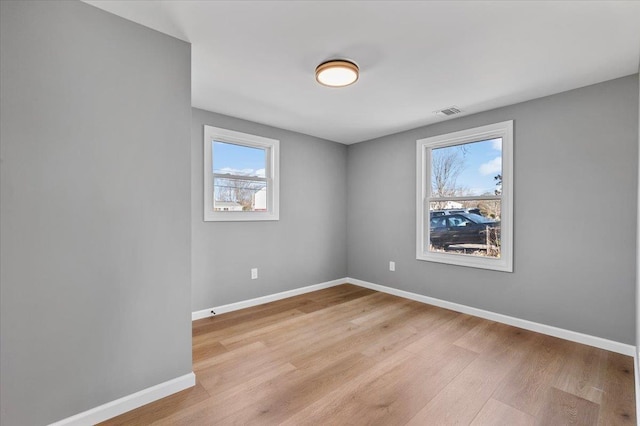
pixel 337 73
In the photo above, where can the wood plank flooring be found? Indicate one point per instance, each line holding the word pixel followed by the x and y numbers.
pixel 348 355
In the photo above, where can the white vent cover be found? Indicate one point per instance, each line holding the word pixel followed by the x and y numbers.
pixel 449 111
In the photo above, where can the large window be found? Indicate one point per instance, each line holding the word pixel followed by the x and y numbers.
pixel 240 176
pixel 464 198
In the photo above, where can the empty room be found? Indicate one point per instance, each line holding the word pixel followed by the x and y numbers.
pixel 319 212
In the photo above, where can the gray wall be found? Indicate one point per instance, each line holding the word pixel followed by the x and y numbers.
pixel 306 246
pixel 95 269
pixel 638 252
pixel 576 162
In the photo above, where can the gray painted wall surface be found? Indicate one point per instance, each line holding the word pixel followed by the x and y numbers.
pixel 95 210
pixel 306 246
pixel 638 252
pixel 576 161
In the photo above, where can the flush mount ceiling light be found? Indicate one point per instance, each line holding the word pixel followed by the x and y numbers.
pixel 337 73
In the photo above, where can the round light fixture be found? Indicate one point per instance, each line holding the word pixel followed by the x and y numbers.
pixel 337 73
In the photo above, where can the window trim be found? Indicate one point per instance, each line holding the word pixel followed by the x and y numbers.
pixel 272 175
pixel 424 146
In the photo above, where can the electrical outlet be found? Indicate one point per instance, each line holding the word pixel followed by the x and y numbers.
pixel 392 266
pixel 254 273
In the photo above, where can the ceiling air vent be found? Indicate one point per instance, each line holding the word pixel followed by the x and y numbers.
pixel 449 111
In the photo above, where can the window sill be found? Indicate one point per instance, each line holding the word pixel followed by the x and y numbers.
pixel 239 216
pixel 502 265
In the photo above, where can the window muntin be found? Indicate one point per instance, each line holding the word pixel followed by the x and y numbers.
pixel 464 193
pixel 241 176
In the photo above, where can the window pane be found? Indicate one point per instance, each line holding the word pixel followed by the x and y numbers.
pixel 239 182
pixel 239 194
pixel 238 160
pixel 466 227
pixel 471 169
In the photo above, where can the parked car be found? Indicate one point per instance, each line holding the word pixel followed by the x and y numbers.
pixel 460 228
pixel 444 212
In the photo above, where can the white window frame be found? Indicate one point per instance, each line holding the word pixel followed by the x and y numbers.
pixel 272 175
pixel 424 147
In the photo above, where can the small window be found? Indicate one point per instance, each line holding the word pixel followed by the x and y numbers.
pixel 240 176
pixel 464 198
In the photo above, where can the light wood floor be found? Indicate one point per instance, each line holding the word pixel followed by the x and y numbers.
pixel 348 355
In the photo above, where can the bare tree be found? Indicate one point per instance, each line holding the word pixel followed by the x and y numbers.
pixel 237 190
pixel 446 166
pixel 490 208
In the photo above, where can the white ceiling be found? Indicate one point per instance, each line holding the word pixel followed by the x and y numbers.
pixel 256 59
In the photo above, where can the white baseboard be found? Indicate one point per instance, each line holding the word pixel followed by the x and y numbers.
pixel 206 313
pixel 573 336
pixel 153 393
pixel 129 402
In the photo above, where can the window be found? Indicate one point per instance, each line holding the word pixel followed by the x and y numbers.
pixel 464 207
pixel 241 174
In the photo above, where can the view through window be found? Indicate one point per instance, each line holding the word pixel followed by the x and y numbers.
pixel 464 205
pixel 239 174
